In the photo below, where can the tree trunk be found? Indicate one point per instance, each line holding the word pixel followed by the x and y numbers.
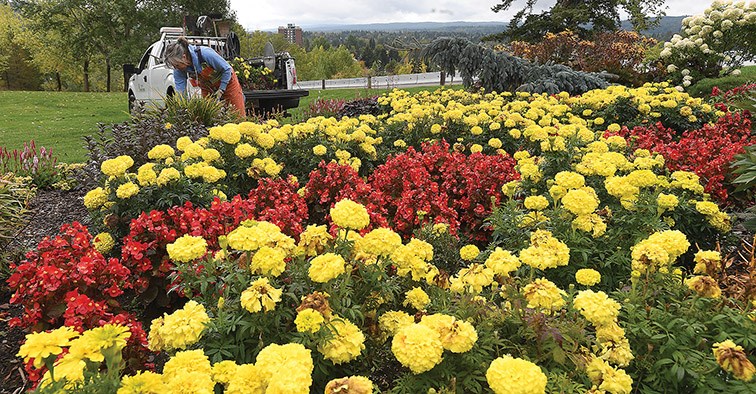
pixel 107 64
pixel 57 80
pixel 7 79
pixel 86 75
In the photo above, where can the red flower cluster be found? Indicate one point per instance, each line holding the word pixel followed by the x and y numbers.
pixel 708 151
pixel 449 187
pixel 734 93
pixel 65 263
pixel 277 201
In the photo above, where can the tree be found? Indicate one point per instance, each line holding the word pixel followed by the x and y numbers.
pixel 585 17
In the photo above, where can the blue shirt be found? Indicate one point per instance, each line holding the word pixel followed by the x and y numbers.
pixel 212 58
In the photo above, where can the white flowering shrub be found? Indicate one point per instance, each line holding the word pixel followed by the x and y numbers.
pixel 715 43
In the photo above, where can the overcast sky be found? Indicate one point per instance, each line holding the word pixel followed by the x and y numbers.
pixel 269 14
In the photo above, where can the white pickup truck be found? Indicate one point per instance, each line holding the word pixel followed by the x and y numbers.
pixel 151 80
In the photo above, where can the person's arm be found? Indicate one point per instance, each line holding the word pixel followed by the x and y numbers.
pixel 179 78
pixel 219 64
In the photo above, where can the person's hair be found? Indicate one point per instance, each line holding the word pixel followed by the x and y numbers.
pixel 176 52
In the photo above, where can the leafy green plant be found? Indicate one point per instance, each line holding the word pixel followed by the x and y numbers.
pixel 745 170
pixel 207 111
pixel 15 194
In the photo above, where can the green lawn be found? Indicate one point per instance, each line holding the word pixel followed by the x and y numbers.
pixel 57 120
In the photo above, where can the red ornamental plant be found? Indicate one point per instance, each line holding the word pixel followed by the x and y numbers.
pixel 277 201
pixel 435 184
pixel 708 151
pixel 59 265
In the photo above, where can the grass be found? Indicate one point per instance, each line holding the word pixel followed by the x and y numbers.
pixel 60 120
pixel 57 120
pixel 703 87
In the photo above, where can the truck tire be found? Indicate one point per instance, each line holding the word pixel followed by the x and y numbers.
pixel 170 92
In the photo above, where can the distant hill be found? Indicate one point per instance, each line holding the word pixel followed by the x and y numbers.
pixel 668 26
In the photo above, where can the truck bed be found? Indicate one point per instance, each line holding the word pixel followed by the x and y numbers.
pixel 272 100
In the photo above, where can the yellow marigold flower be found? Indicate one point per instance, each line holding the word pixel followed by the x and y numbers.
pixel 596 307
pixel 127 190
pixel 580 201
pixel 144 382
pixel 615 381
pixel 435 128
pixel 319 150
pixel 269 261
pixel 189 370
pixel 246 379
pixel 616 141
pixel 187 248
pixel 598 121
pixel 309 320
pixel 417 298
pixel 536 203
pixel 349 214
pixel 569 180
pixel 667 201
pixel 167 175
pixel 392 321
pixel 326 267
pixel 587 276
pixel 117 166
pixel 417 347
pixel 224 371
pixel 245 150
pixel 507 375
pixel 400 143
pixel 95 198
pixel 590 223
pixel 732 358
pixel 720 221
pixel 161 152
pixel 183 142
pixel 346 342
pixel 469 252
pixel 260 296
pixel 94 344
pixel 705 286
pixel 502 262
pixel 146 175
pixel 180 329
pixel 41 345
pixel 209 155
pixel 707 208
pixel 476 148
pixel 286 368
pixel 69 369
pixel 314 239
pixel 103 242
pixel 495 143
pixel 611 332
pixel 707 262
pixel 379 242
pixel 457 336
pixel 543 294
pixel 545 251
pixel 350 385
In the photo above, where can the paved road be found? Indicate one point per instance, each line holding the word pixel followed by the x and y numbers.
pixel 382 82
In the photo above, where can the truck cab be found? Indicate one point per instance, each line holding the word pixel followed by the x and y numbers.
pixel 151 80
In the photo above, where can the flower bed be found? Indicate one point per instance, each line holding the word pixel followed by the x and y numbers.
pixel 461 242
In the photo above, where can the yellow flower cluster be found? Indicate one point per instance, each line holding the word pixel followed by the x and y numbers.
pixel 391 321
pixel 260 296
pixel 545 251
pixel 704 286
pixel 309 320
pixel 412 259
pixel 161 152
pixel 42 345
pixel 95 198
pixel 103 242
pixel 502 262
pixel 346 341
pixel 325 267
pixel 472 279
pixel 350 215
pixel 116 167
pixel 659 251
pixel 587 276
pixel 543 294
pixel 314 240
pixel 457 336
pixel 378 242
pixel 469 252
pixel 180 329
pixel 187 248
pixel 609 379
pixel 416 298
pixel 707 262
pixel 602 312
pixel 536 203
pixel 733 359
pixel 508 375
pixel 127 190
pixel 350 385
pixel 228 133
pixel 418 347
pixel 714 216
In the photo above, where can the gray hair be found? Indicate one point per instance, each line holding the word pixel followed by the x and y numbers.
pixel 176 52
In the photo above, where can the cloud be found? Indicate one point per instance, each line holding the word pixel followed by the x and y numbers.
pixel 269 14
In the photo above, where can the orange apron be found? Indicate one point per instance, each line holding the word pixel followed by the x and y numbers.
pixel 209 84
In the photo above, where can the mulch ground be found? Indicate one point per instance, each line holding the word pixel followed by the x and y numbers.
pixel 48 211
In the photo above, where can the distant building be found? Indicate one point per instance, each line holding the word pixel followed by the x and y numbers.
pixel 292 33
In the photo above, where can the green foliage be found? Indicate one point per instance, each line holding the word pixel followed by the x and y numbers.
pixel 15 194
pixel 672 333
pixel 583 17
pixel 703 87
pixel 500 72
pixel 207 111
pixel 744 168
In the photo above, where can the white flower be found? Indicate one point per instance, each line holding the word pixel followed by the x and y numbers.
pixel 685 72
pixel 687 78
pixel 736 72
pixel 671 68
pixel 717 34
pixel 686 83
pixel 679 88
pixel 704 48
pixel 665 53
pixel 726 24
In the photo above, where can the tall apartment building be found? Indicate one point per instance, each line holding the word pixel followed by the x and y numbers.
pixel 292 33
